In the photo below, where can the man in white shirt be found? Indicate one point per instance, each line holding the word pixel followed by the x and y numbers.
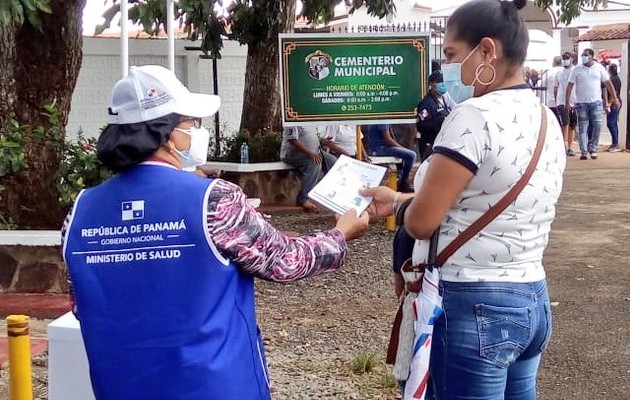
pixel 588 78
pixel 566 112
pixel 342 139
pixel 301 149
pixel 548 82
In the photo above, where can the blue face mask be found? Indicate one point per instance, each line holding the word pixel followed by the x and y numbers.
pixel 440 88
pixel 452 74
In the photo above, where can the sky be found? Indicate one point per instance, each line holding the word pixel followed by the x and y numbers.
pixel 95 8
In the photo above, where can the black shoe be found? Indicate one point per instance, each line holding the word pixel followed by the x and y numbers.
pixel 583 157
pixel 404 187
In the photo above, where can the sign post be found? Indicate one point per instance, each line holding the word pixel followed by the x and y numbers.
pixel 360 79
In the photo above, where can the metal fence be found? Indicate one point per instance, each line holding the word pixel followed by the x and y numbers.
pixel 435 27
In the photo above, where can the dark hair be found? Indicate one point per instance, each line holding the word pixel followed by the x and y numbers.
pixel 435 65
pixel 567 55
pixel 612 68
pixel 496 19
pixel 590 52
pixel 121 146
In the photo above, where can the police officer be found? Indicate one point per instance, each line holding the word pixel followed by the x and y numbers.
pixel 432 110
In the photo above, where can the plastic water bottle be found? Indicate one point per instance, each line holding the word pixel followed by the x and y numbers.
pixel 244 153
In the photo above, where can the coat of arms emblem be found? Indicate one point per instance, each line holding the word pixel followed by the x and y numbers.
pixel 318 64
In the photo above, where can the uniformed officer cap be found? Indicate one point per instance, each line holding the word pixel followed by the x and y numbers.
pixel 436 77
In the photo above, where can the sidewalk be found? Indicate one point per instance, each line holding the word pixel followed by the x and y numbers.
pixel 35 305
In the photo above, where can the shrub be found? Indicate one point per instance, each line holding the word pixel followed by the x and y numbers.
pixel 11 150
pixel 263 147
pixel 78 165
pixel 79 168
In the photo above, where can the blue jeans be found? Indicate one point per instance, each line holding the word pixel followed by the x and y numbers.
pixel 408 157
pixel 593 114
pixel 611 122
pixel 308 170
pixel 488 343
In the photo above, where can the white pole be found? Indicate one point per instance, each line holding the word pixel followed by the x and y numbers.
pixel 124 38
pixel 170 16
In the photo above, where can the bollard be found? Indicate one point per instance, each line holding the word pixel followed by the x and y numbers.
pixel 392 183
pixel 20 385
pixel 359 143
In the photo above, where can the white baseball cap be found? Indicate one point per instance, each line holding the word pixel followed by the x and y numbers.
pixel 152 91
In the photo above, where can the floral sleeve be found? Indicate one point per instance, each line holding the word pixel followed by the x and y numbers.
pixel 243 235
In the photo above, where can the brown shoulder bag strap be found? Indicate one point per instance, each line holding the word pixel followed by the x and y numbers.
pixel 472 230
pixel 502 204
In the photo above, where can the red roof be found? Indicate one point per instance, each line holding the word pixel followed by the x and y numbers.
pixel 609 53
pixel 140 34
pixel 606 32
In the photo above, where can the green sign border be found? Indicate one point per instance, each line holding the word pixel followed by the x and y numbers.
pixel 289 42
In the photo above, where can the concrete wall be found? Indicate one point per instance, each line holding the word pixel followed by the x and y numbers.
pixel 621 45
pixel 30 262
pixel 101 69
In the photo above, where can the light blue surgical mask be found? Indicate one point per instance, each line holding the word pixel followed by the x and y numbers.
pixel 452 75
pixel 183 154
pixel 586 59
pixel 440 88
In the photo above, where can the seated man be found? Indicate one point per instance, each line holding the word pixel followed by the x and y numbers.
pixel 342 139
pixel 300 148
pixel 382 143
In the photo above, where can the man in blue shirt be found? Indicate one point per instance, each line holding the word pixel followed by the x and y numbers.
pixel 382 143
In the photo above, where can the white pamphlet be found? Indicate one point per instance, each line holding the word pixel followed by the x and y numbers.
pixel 339 188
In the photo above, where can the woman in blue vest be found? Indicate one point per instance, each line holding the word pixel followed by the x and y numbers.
pixel 162 261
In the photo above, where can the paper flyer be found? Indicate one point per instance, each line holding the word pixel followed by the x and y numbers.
pixel 339 188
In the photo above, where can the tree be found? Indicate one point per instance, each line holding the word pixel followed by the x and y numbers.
pixel 567 10
pixel 255 23
pixel 41 56
pixel 40 60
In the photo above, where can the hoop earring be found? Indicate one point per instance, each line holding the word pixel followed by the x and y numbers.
pixel 480 69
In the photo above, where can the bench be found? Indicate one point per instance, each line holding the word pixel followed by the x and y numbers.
pixel 247 167
pixel 279 165
pixel 274 182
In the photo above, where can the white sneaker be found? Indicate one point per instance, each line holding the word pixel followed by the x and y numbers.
pixel 613 149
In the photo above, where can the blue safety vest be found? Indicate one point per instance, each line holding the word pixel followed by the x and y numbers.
pixel 163 314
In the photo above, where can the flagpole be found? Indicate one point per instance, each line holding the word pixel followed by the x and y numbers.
pixel 170 16
pixel 124 38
